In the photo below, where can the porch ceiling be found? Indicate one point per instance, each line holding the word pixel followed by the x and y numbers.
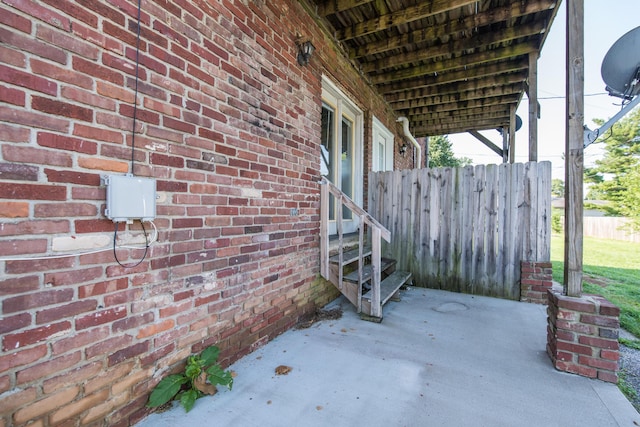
pixel 450 66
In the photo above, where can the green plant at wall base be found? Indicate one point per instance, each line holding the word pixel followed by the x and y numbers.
pixel 191 384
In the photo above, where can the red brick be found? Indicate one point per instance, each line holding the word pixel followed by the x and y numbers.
pixel 67 42
pixel 32 155
pixel 100 317
pixel 73 277
pixel 33 192
pixel 36 300
pixel 64 311
pixel 123 297
pixel 35 227
pixel 47 210
pixel 27 80
pixel 599 342
pixel 93 225
pixel 41 13
pixel 13 323
pixel 107 346
pixel 576 327
pixel 70 378
pixel 87 97
pixel 102 287
pixel 90 68
pixel 155 328
pixel 22 357
pixel 611 377
pixel 35 335
pixel 610 354
pixel 585 371
pixel 18 285
pixel 127 353
pixel 16 399
pixel 574 348
pixel 80 340
pixel 73 177
pixel 598 363
pixel 610 322
pixel 132 322
pixel 48 368
pixel 12 96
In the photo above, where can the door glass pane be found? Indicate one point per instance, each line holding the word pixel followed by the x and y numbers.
pixel 346 162
pixel 381 154
pixel 327 149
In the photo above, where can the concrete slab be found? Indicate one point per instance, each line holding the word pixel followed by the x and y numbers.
pixel 437 359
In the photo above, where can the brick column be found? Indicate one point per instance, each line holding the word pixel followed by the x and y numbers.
pixel 535 280
pixel 582 335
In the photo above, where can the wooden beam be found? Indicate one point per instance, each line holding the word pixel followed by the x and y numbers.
pixel 454 48
pixel 417 115
pixel 574 152
pixel 465 25
pixel 478 58
pixel 330 7
pixel 472 103
pixel 505 145
pixel 461 97
pixel 486 141
pixel 533 106
pixel 511 71
pixel 400 17
pixel 512 134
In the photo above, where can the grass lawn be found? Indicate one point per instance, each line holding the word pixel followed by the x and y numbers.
pixel 611 269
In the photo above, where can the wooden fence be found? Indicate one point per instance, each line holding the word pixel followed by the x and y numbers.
pixel 466 229
pixel 607 227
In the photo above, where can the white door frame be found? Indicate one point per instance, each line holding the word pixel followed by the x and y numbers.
pixel 344 108
pixel 383 143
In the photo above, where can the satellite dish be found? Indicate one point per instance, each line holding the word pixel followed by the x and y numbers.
pixel 621 72
pixel 518 125
pixel 621 66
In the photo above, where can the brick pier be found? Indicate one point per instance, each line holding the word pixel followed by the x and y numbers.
pixel 582 335
pixel 535 280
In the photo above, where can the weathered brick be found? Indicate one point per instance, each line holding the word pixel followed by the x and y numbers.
pixel 80 340
pixel 127 353
pixel 108 345
pixel 33 192
pixel 70 378
pixel 52 106
pixel 35 335
pixel 610 322
pixel 14 323
pixel 18 397
pixel 35 300
pixel 101 317
pixel 595 362
pixel 48 404
pixel 599 342
pixel 27 80
pixel 14 209
pixel 64 311
pixel 22 357
pixel 78 406
pixel 47 368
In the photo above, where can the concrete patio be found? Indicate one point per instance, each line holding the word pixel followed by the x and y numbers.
pixel 437 359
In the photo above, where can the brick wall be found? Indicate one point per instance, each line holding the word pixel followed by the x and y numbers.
pixel 228 124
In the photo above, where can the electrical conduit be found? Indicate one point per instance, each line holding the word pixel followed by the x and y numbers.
pixel 407 133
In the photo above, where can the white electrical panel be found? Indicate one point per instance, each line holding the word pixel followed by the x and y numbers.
pixel 130 197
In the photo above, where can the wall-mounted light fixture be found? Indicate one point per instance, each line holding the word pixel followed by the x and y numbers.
pixel 305 50
pixel 403 148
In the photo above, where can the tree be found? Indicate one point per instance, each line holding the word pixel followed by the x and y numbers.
pixel 441 153
pixel 557 187
pixel 616 177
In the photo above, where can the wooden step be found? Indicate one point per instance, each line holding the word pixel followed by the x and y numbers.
pixel 385 263
pixel 350 256
pixel 389 286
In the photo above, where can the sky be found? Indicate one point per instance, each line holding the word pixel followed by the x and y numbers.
pixel 605 21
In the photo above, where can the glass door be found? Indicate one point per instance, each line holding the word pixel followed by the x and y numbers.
pixel 341 154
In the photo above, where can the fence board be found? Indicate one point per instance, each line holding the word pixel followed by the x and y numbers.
pixel 466 229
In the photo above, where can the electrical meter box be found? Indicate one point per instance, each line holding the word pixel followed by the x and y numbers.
pixel 130 197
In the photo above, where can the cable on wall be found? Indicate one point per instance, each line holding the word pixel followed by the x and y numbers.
pixel 135 95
